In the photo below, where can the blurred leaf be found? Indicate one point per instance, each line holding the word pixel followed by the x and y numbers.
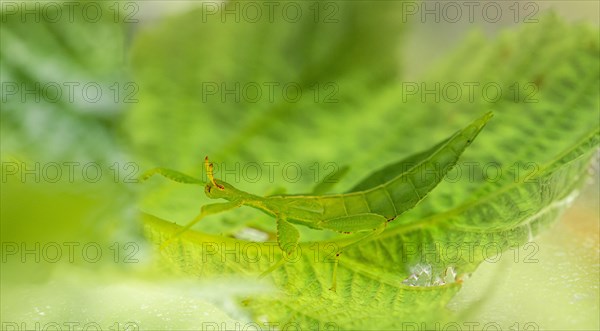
pixel 63 82
pixel 330 180
pixel 337 65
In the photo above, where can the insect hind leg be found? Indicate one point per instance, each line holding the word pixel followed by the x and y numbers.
pixel 362 222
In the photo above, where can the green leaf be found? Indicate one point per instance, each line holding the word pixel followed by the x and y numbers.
pixel 505 218
pixel 411 271
pixel 306 300
pixel 375 285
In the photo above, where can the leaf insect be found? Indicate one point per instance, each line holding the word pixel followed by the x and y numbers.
pixel 365 209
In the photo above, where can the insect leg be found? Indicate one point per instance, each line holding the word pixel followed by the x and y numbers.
pixel 361 222
pixel 206 210
pixel 287 238
pixel 172 175
pixel 335 267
